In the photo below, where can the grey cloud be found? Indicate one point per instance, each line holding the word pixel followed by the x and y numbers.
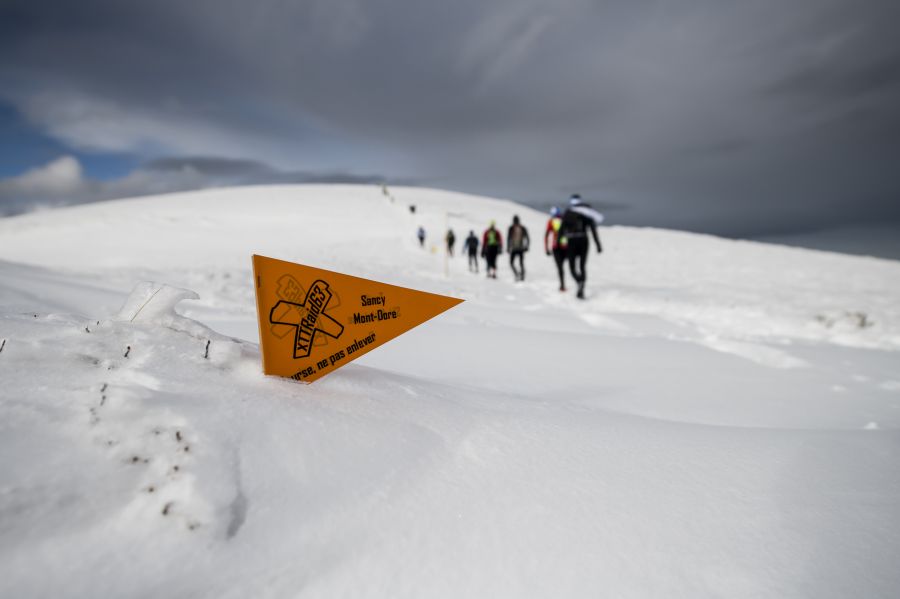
pixel 209 165
pixel 250 172
pixel 733 118
pixel 63 183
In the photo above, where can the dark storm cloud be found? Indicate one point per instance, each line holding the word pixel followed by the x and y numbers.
pixel 823 81
pixel 729 117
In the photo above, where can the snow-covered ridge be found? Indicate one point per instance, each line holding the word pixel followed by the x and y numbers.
pixel 718 418
pixel 739 289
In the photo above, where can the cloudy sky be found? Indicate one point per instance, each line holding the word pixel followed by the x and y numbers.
pixel 736 117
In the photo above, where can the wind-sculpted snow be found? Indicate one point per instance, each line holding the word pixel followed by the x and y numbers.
pixel 154 302
pixel 717 418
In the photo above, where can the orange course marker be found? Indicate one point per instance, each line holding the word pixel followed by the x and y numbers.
pixel 313 321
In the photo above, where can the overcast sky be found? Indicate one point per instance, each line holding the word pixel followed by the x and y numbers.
pixel 736 117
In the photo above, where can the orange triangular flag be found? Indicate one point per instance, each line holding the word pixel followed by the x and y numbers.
pixel 313 321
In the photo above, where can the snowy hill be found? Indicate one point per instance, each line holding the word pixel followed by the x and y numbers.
pixel 718 418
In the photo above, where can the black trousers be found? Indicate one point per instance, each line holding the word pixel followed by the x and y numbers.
pixel 490 255
pixel 559 256
pixel 520 272
pixel 577 252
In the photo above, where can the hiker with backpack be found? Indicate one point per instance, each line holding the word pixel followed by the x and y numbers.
pixel 577 220
pixel 420 233
pixel 470 247
pixel 556 246
pixel 491 244
pixel 516 245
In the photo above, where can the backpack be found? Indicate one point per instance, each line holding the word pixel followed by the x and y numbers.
pixel 492 237
pixel 517 237
pixel 559 240
pixel 573 224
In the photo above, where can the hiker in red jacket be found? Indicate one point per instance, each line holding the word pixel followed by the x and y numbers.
pixel 555 245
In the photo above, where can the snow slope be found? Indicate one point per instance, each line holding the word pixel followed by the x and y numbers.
pixel 718 418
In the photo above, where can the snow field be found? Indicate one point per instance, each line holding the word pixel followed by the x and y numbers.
pixel 692 429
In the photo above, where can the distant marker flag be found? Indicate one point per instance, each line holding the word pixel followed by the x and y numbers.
pixel 313 321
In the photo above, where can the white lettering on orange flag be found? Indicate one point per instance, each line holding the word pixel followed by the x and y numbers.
pixel 313 321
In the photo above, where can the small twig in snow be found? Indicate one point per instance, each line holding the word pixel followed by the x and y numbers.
pixel 127 350
pixel 206 355
pixel 2 345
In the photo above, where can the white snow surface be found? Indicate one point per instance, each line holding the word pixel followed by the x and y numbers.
pixel 717 419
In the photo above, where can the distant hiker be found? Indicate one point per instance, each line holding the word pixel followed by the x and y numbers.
pixel 412 208
pixel 491 244
pixel 517 244
pixel 421 235
pixel 553 244
pixel 451 239
pixel 470 246
pixel 576 221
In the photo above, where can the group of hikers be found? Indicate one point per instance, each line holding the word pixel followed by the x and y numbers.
pixel 565 238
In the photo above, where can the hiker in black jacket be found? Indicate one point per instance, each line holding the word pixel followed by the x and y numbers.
pixel 470 246
pixel 450 238
pixel 576 221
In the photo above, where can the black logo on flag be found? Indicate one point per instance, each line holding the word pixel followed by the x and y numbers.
pixel 308 318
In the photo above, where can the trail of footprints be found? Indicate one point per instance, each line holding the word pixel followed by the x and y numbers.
pixel 118 415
